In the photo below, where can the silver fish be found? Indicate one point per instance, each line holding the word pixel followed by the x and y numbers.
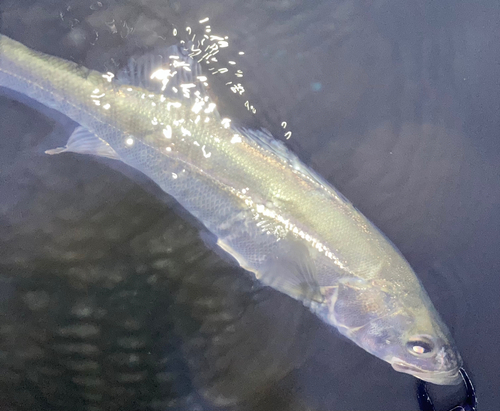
pixel 277 218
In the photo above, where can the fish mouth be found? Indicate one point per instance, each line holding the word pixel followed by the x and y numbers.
pixel 448 377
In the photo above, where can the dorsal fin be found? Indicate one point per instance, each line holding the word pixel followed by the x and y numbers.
pixel 170 71
pixel 265 139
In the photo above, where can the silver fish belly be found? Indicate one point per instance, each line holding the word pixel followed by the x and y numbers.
pixel 281 221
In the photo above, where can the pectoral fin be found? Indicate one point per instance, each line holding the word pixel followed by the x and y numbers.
pixel 83 141
pixel 358 302
pixel 292 271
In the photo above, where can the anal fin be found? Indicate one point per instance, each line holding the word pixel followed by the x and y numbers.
pixel 83 141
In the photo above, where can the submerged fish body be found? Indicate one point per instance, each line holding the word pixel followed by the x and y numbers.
pixel 280 220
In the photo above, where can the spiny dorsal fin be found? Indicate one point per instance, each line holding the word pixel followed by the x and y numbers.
pixel 264 139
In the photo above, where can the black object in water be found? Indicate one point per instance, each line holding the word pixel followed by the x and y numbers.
pixel 469 403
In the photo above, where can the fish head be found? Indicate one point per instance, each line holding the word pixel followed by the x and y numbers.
pixel 397 325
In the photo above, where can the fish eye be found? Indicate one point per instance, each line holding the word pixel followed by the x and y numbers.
pixel 420 345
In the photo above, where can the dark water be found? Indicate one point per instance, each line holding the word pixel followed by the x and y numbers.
pixel 109 300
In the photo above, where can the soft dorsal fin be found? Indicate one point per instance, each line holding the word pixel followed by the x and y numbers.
pixel 170 71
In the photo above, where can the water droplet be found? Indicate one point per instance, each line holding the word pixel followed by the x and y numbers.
pixel 95 6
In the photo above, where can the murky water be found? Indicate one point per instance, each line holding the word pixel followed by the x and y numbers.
pixel 110 300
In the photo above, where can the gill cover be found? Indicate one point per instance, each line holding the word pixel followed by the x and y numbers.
pixel 369 314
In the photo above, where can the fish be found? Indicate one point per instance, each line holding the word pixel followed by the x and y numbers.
pixel 280 220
